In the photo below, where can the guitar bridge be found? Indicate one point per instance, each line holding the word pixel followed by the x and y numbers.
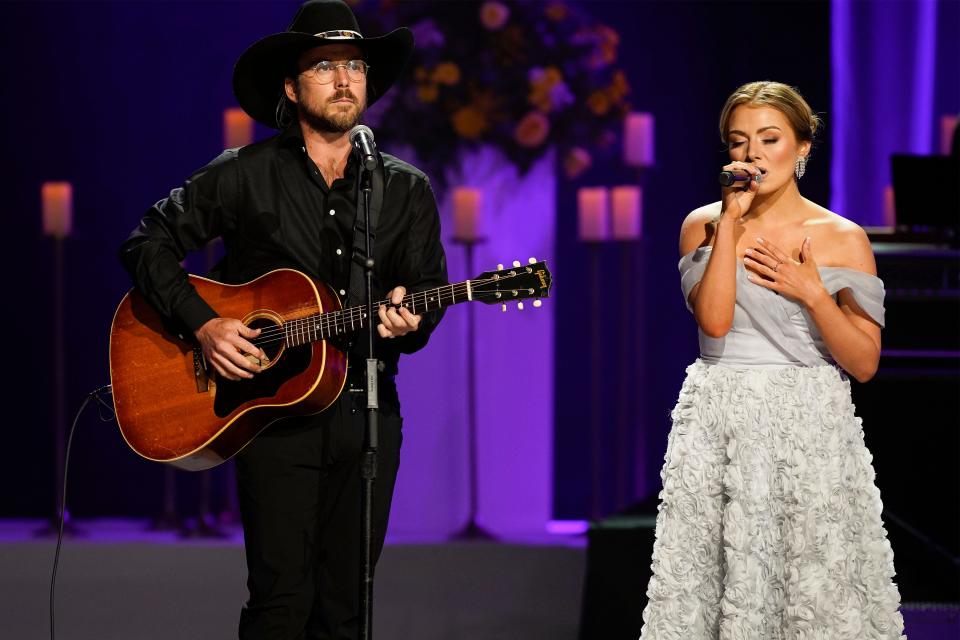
pixel 200 371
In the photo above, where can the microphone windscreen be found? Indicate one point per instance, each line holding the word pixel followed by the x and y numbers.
pixel 357 130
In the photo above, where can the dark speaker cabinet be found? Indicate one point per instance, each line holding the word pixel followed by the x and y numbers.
pixel 911 418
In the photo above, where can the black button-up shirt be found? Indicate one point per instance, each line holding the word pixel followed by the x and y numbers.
pixel 273 209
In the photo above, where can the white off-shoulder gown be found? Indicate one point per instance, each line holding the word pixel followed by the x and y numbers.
pixel 769 520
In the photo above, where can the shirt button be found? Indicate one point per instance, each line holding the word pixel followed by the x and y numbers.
pixel 333 211
pixel 342 292
pixel 339 252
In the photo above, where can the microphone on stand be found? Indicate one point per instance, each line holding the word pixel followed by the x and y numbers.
pixel 362 139
pixel 728 178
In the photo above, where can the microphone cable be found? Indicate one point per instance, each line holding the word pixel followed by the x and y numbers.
pixel 93 395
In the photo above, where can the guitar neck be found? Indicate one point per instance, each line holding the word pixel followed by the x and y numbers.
pixel 323 326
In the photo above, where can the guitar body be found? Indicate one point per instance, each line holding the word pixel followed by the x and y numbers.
pixel 170 406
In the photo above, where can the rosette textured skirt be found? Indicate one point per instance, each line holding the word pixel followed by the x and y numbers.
pixel 769 522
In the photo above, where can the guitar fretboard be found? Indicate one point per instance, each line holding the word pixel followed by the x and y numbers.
pixel 323 326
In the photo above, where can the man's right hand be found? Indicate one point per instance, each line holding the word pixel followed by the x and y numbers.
pixel 225 345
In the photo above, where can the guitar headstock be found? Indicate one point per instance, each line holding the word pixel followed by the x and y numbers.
pixel 519 282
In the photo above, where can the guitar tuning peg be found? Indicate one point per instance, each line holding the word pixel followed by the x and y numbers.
pixel 499 267
pixel 516 263
pixel 503 308
pixel 538 303
pixel 532 261
pixel 520 306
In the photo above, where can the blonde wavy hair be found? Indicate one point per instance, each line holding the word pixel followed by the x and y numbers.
pixel 779 96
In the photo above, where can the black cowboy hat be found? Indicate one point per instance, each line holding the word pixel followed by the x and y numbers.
pixel 259 73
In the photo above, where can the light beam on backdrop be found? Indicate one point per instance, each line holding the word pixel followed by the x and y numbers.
pixel 882 73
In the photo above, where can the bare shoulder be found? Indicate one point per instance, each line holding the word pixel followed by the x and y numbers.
pixel 839 242
pixel 697 228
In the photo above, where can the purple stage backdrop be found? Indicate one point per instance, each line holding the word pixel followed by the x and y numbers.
pixel 885 66
pixel 514 352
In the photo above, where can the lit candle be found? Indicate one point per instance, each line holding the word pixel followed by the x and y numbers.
pixel 625 202
pixel 57 200
pixel 889 207
pixel 638 139
pixel 948 125
pixel 237 128
pixel 466 213
pixel 593 213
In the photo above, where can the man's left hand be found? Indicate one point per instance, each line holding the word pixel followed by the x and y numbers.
pixel 394 322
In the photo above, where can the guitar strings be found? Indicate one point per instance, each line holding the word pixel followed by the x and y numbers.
pixel 356 313
pixel 352 315
pixel 334 319
pixel 328 319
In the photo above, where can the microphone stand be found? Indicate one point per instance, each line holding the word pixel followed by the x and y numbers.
pixel 368 462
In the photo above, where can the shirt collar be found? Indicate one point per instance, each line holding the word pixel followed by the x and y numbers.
pixel 292 138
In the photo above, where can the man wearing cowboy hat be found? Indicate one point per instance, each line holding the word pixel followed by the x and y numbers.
pixel 291 201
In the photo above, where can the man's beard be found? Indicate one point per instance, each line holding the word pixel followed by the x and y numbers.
pixel 340 122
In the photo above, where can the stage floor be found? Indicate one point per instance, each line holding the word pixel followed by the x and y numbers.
pixel 121 582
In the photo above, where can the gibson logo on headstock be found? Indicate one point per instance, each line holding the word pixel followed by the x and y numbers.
pixel 543 278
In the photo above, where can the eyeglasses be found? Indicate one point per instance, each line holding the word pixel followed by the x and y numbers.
pixel 325 70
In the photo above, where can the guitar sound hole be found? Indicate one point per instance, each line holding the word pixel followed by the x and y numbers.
pixel 270 338
pixel 231 394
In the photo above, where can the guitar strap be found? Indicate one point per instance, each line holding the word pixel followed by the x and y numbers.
pixel 357 288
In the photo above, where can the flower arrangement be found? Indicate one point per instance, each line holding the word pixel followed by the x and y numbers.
pixel 521 76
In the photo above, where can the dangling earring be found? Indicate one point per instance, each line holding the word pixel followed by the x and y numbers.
pixel 800 167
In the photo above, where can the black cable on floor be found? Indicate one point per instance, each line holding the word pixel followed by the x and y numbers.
pixel 94 395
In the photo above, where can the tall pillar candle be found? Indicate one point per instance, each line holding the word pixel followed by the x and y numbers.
pixel 889 207
pixel 467 202
pixel 237 128
pixel 638 147
pixel 593 214
pixel 948 124
pixel 57 201
pixel 626 204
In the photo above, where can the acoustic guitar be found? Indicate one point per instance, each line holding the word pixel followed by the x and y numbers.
pixel 170 406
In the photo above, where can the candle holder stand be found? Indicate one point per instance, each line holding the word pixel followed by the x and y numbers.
pixel 472 529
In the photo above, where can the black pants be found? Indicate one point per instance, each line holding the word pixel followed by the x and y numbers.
pixel 299 486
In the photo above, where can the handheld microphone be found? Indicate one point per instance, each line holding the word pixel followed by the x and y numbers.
pixel 362 139
pixel 727 178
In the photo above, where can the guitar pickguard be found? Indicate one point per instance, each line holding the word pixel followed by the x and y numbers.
pixel 231 395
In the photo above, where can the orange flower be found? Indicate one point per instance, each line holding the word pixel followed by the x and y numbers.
pixel 556 11
pixel 576 161
pixel 493 15
pixel 552 76
pixel 599 103
pixel 428 92
pixel 447 73
pixel 610 36
pixel 532 130
pixel 469 122
pixel 542 84
pixel 619 86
